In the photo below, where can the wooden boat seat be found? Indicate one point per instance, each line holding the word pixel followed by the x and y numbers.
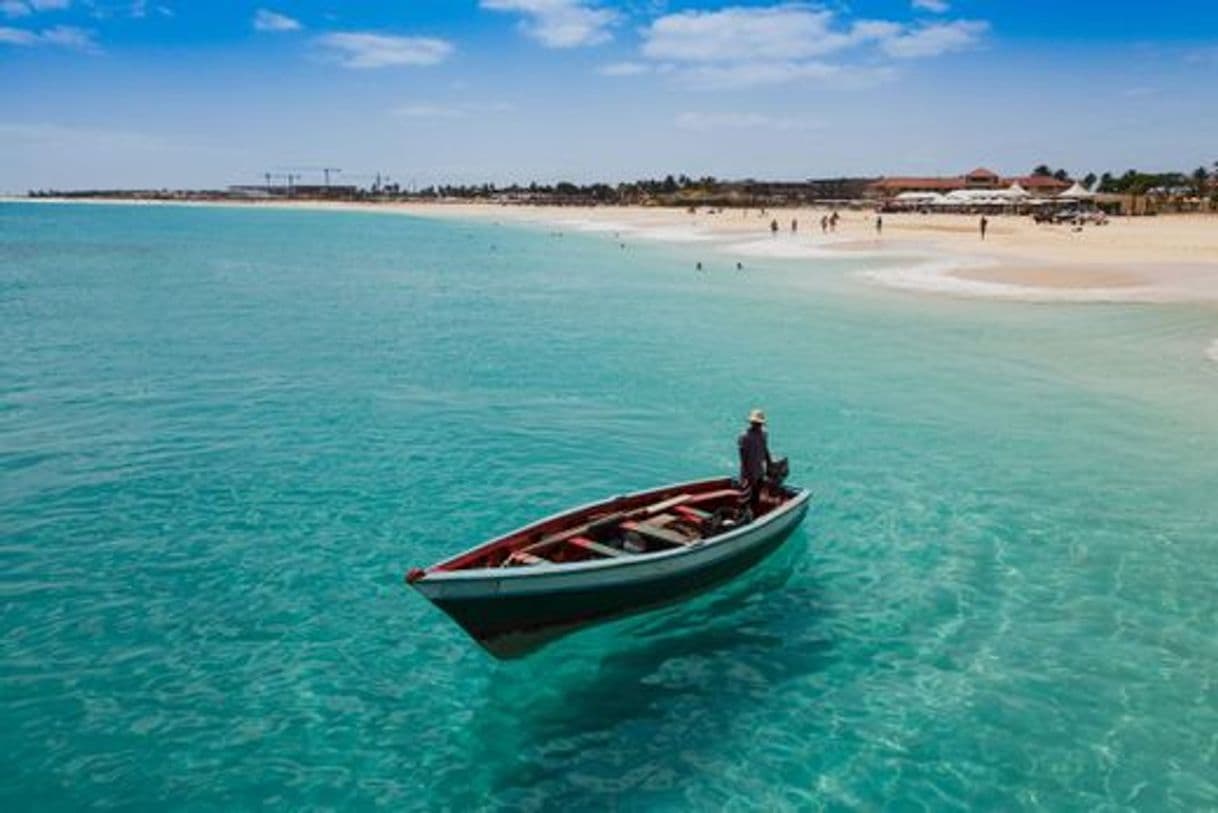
pixel 608 520
pixel 563 536
pixel 605 521
pixel 671 502
pixel 583 543
pixel 658 533
pixel 521 557
pixel 693 514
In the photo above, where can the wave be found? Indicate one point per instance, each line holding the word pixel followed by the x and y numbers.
pixel 798 249
pixel 593 226
pixel 939 276
pixel 667 234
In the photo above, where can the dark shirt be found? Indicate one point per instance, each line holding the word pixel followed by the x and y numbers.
pixel 754 454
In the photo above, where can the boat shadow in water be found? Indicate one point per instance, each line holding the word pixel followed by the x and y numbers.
pixel 630 704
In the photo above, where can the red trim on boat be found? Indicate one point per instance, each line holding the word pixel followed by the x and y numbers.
pixel 494 552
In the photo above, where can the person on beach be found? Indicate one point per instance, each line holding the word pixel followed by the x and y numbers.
pixel 774 226
pixel 794 225
pixel 984 225
pixel 833 218
pixel 754 457
pixel 824 224
pixel 879 225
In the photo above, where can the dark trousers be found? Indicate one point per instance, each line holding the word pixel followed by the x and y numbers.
pixel 755 488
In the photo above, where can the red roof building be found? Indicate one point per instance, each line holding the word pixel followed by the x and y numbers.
pixel 980 178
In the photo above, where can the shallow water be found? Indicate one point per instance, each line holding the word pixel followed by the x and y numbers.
pixel 224 436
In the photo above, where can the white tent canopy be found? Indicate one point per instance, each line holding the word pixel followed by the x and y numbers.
pixel 1017 191
pixel 968 195
pixel 981 196
pixel 919 197
pixel 1077 192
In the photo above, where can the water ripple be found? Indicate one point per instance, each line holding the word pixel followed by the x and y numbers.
pixel 225 435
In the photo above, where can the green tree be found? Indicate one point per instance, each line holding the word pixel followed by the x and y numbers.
pixel 1043 171
pixel 1062 175
pixel 1089 181
pixel 1201 178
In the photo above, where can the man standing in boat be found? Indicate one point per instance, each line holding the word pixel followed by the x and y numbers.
pixel 754 457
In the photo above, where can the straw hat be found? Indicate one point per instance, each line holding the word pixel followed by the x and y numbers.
pixel 756 416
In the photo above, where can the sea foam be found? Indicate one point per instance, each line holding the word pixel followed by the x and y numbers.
pixel 787 249
pixel 939 276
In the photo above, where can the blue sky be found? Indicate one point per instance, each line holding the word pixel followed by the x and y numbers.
pixel 203 94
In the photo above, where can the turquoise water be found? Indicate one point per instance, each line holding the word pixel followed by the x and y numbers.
pixel 224 436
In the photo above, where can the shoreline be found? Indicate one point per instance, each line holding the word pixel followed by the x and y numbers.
pixel 1168 258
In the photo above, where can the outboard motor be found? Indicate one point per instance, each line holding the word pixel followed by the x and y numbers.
pixel 776 472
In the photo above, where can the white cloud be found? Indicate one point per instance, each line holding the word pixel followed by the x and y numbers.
pixel 751 74
pixel 24 8
pixel 754 74
pixel 367 50
pixel 109 9
pixel 69 36
pixel 560 23
pixel 17 36
pixel 743 34
pixel 267 20
pixel 741 46
pixel 704 122
pixel 935 39
pixel 874 30
pixel 624 69
pixel 934 6
pixel 61 36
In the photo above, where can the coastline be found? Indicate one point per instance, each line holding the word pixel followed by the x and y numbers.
pixel 1168 258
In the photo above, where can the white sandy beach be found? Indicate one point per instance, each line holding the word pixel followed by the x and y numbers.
pixel 1164 258
pixel 1168 258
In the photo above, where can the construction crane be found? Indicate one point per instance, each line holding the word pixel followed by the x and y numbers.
pixel 327 170
pixel 290 177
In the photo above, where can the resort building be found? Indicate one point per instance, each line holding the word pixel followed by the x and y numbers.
pixel 979 179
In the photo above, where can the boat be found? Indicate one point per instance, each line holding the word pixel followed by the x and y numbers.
pixel 606 560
